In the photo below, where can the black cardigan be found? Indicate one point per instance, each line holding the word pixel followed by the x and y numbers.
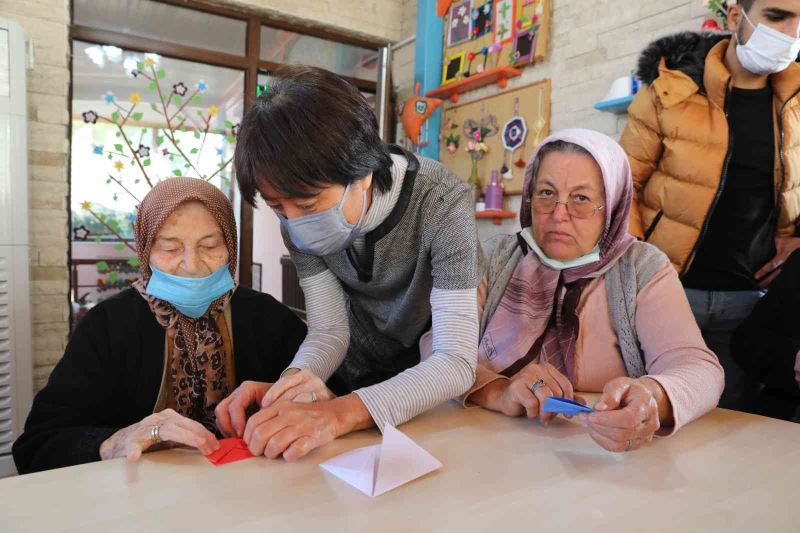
pixel 767 342
pixel 111 373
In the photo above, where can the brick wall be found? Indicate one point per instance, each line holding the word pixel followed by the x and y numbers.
pixel 46 23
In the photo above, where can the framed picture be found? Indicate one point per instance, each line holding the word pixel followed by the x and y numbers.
pixel 504 16
pixel 453 68
pixel 256 277
pixel 526 9
pixel 524 46
pixel 460 23
pixel 481 18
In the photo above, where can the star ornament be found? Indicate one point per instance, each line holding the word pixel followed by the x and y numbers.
pixel 180 89
pixel 89 117
pixel 80 233
pixel 86 205
pixel 135 98
pixel 118 165
pixel 213 110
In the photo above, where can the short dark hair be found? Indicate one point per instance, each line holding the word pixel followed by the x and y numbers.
pixel 310 129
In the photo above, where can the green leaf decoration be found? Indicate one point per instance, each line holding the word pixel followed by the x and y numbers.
pixel 102 266
pixel 231 139
pixel 172 157
pixel 118 147
pixel 153 86
pixel 159 140
pixel 132 162
pixel 153 107
pixel 98 240
pixel 197 99
pixel 137 116
pixel 177 172
pixel 110 157
pixel 137 180
pixel 161 74
pixel 177 99
pixel 134 262
pixel 194 151
pixel 199 113
pixel 196 134
pixel 101 217
pixel 229 124
pixel 177 141
pixel 113 276
pixel 118 134
pixel 115 197
pixel 139 65
pixel 119 247
pixel 146 162
pixel 115 116
pixel 108 181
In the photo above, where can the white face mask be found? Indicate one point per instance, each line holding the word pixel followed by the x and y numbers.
pixel 592 257
pixel 768 51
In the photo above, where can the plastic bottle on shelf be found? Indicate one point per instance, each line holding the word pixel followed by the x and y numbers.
pixel 494 192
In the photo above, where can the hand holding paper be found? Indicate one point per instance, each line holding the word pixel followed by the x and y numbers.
pixel 562 406
pixel 380 468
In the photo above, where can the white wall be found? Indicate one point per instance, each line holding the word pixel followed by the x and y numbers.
pixel 268 248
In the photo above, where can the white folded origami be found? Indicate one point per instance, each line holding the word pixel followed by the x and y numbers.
pixel 382 467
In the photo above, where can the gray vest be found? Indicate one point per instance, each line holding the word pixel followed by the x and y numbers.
pixel 623 282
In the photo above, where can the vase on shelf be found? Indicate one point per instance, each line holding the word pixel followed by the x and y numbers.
pixel 494 192
pixel 475 181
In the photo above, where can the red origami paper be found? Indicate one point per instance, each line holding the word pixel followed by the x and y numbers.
pixel 230 451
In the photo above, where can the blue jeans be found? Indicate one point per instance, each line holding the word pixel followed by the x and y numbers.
pixel 718 314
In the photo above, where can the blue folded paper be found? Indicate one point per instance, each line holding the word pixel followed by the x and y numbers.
pixel 564 406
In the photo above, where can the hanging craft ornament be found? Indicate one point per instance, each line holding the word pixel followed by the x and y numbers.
pixel 416 111
pixel 540 123
pixel 514 133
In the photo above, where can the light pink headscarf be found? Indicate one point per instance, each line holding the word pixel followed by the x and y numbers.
pixel 537 316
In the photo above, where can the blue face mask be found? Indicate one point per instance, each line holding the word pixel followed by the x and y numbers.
pixel 190 296
pixel 324 233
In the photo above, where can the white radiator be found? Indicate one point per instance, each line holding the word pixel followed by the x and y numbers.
pixel 16 388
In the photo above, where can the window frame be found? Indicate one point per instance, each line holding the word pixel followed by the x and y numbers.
pixel 250 63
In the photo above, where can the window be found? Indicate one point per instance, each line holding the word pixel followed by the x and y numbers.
pixel 201 62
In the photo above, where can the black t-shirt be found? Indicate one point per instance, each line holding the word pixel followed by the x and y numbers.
pixel 741 233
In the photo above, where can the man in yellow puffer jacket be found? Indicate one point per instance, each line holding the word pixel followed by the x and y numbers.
pixel 714 144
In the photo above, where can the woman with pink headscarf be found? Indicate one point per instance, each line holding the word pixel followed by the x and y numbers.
pixel 574 303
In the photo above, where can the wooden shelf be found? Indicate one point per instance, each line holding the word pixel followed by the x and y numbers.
pixel 452 91
pixel 496 215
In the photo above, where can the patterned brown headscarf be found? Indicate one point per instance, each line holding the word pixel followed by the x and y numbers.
pixel 197 372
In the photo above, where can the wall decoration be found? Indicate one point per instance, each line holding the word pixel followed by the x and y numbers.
pixel 131 161
pixel 481 18
pixel 442 6
pixel 460 23
pixel 501 53
pixel 452 140
pixel 453 68
pixel 477 132
pixel 514 133
pixel 417 110
pixel 532 105
pixel 524 46
pixel 504 14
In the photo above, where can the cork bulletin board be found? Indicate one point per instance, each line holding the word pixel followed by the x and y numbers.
pixel 533 104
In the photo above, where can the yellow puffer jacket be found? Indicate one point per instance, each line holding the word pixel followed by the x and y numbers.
pixel 677 139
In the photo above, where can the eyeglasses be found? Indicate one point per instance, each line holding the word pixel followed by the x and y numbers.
pixel 578 206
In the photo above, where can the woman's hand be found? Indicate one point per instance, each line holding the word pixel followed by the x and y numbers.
pixel 626 416
pixel 297 385
pixel 231 412
pixel 293 429
pixel 518 396
pixel 131 441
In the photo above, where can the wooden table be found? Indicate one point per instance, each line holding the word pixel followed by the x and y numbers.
pixel 726 472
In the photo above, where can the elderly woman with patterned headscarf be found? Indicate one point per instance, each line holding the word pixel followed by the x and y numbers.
pixel 151 364
pixel 574 303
